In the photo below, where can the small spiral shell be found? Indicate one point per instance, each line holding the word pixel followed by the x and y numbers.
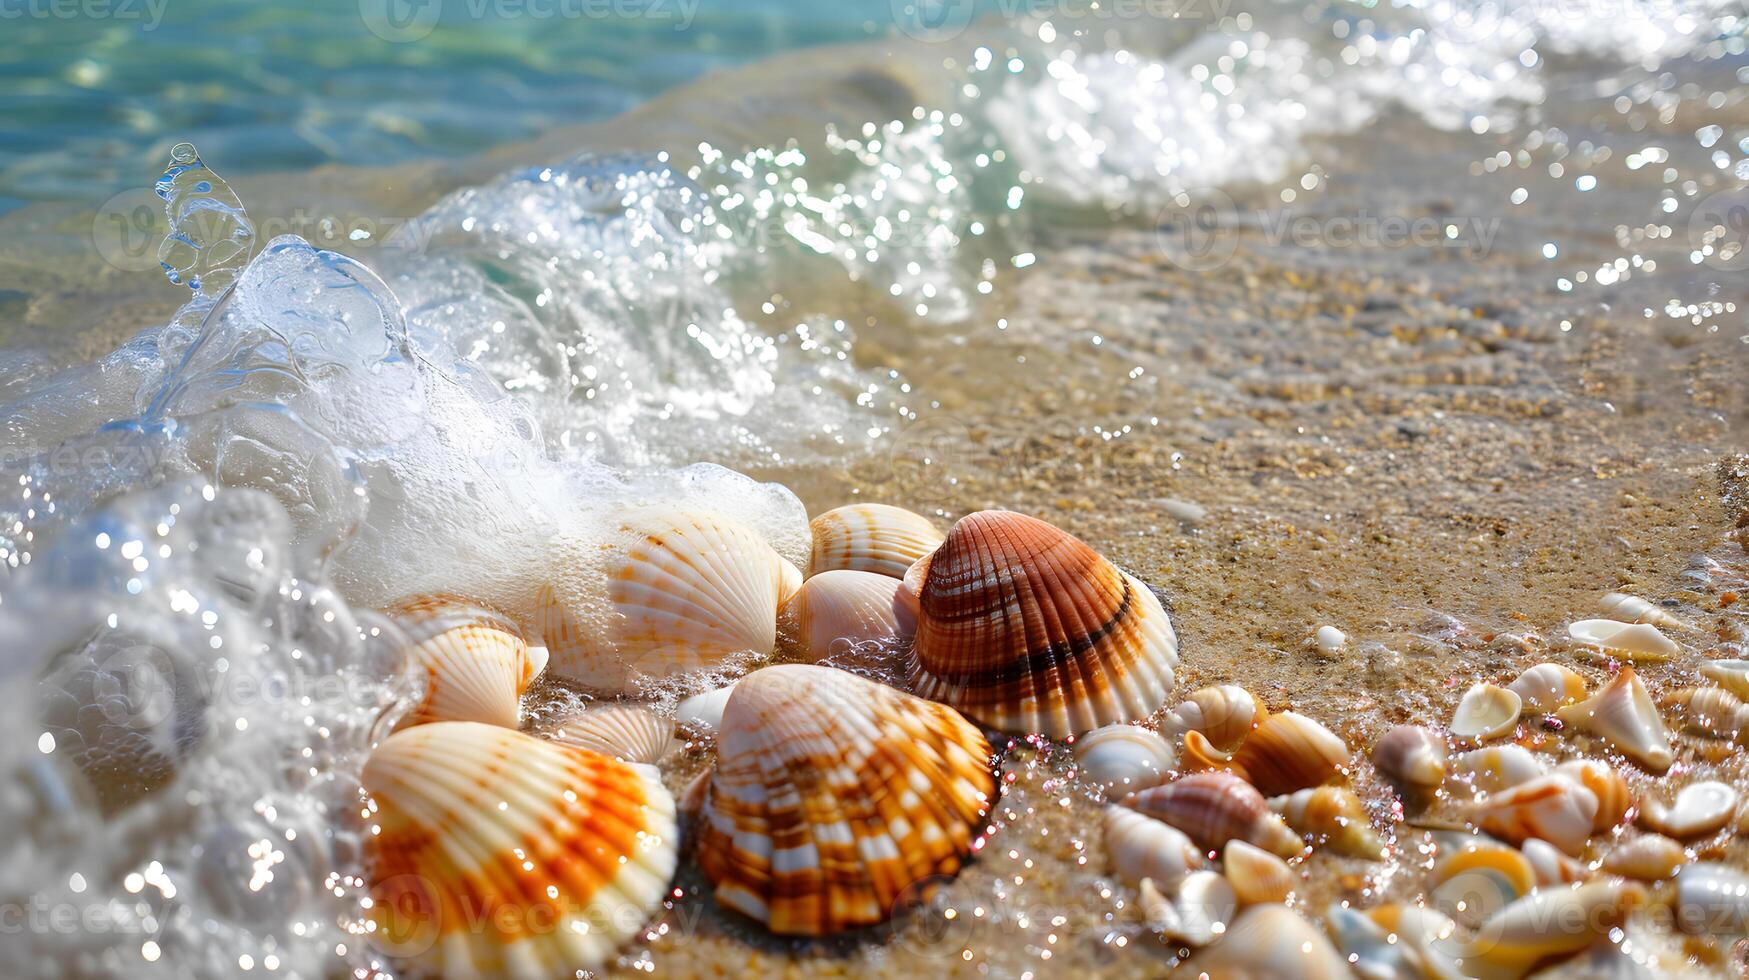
pixel 1289 752
pixel 1224 715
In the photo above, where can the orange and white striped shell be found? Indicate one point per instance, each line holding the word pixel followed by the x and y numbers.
pixel 876 538
pixel 833 795
pixel 1332 816
pixel 494 853
pixel 477 662
pixel 835 612
pixel 1025 628
pixel 1216 807
pixel 1223 714
pixel 1554 808
pixel 1289 752
pixel 681 591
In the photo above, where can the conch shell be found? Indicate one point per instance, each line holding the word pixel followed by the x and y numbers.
pixel 1290 752
pixel 1142 847
pixel 1611 789
pixel 1200 756
pixel 1497 767
pixel 1633 609
pixel 1412 757
pixel 1224 715
pixel 1026 629
pixel 1710 711
pixel 1732 675
pixel 1623 714
pixel 1216 807
pixel 1549 923
pixel 475 658
pixel 1124 756
pixel 1332 816
pixel 874 538
pixel 833 795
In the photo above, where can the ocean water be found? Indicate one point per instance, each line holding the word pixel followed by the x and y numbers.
pixel 809 276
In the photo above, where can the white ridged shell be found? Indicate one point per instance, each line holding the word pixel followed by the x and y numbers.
pixel 1632 641
pixel 1124 758
pixel 1555 808
pixel 876 538
pixel 1224 714
pixel 626 732
pixel 1624 715
pixel 1732 675
pixel 1633 609
pixel 836 612
pixel 1139 846
pixel 1486 712
pixel 1545 687
pixel 475 658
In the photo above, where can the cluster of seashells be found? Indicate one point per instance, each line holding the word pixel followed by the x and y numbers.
pixel 832 797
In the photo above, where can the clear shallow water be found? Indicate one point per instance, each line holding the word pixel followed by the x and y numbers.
pixel 539 349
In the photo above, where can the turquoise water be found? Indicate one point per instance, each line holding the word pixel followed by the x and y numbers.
pixel 93 93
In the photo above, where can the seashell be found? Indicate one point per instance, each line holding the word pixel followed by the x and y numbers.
pixel 1732 675
pixel 1545 687
pixel 496 853
pixel 1633 609
pixel 835 612
pixel 1629 641
pixel 1331 815
pixel 1157 911
pixel 1499 767
pixel 874 538
pixel 1554 808
pixel 1216 807
pixel 685 591
pixel 704 710
pixel 1623 714
pixel 1200 756
pixel 1141 847
pixel 1290 752
pixel 1224 715
pixel 833 795
pixel 1650 857
pixel 1412 757
pixel 1026 629
pixel 1700 809
pixel 622 731
pixel 1124 756
pixel 1395 942
pixel 1329 640
pixel 476 661
pixel 1203 904
pixel 1710 711
pixel 1480 879
pixel 1271 941
pixel 1551 866
pixel 1486 712
pixel 1256 875
pixel 1549 923
pixel 1612 792
pixel 1712 899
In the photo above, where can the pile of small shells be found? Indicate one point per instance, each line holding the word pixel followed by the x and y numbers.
pixel 852 779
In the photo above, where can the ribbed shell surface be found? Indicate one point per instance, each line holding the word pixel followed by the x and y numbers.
pixel 836 611
pixel 495 853
pixel 476 661
pixel 834 795
pixel 875 538
pixel 1025 628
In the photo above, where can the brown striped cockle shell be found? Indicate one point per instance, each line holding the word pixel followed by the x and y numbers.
pixel 1412 757
pixel 1624 715
pixel 1216 807
pixel 1331 816
pixel 476 660
pixel 1290 752
pixel 494 853
pixel 834 795
pixel 1140 846
pixel 1224 715
pixel 1555 808
pixel 874 538
pixel 626 732
pixel 1026 629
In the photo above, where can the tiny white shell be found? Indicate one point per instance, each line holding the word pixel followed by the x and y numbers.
pixel 1486 712
pixel 1700 809
pixel 1124 757
pixel 1141 847
pixel 1635 641
pixel 1329 640
pixel 1223 714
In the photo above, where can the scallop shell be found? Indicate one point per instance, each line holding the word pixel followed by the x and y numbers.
pixel 1700 809
pixel 1554 808
pixel 833 795
pixel 874 538
pixel 1256 875
pixel 1611 789
pixel 1549 923
pixel 623 731
pixel 1397 942
pixel 1710 711
pixel 1480 879
pixel 1623 714
pixel 1651 857
pixel 1630 641
pixel 1142 847
pixel 1216 807
pixel 1200 756
pixel 1332 816
pixel 1224 715
pixel 1486 712
pixel 1124 756
pixel 1551 866
pixel 496 853
pixel 1290 752
pixel 1732 675
pixel 704 710
pixel 476 661
pixel 686 591
pixel 1026 629
pixel 1411 757
pixel 1271 941
pixel 835 612
pixel 1546 686
pixel 1712 899
pixel 1633 609
pixel 1201 907
pixel 1496 768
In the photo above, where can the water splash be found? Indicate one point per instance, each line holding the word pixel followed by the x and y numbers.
pixel 211 237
